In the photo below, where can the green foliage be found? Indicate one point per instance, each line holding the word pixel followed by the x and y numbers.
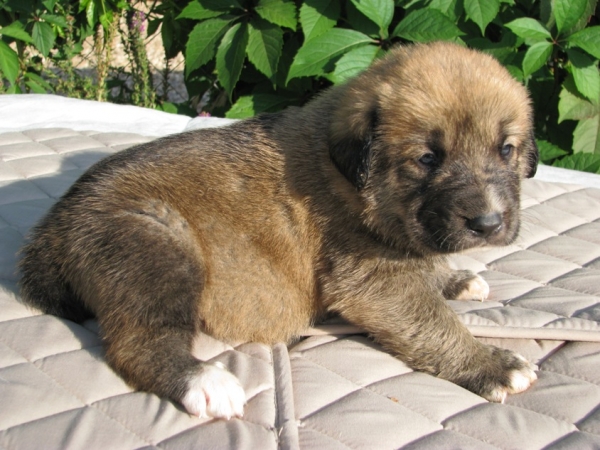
pixel 41 38
pixel 482 12
pixel 9 63
pixel 244 57
pixel 586 162
pixel 318 16
pixel 316 57
pixel 552 46
pixel 427 25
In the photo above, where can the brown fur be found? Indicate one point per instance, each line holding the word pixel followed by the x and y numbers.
pixel 253 231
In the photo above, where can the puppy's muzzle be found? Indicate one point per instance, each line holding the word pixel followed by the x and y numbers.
pixel 486 225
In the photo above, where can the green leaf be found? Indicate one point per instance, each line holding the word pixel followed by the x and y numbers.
pixel 504 51
pixel 516 72
pixel 49 4
pixel 453 9
pixel 220 5
pixel 426 25
pixel 549 151
pixel 153 24
pixel 318 16
pixel 242 108
pixel 573 107
pixel 353 62
pixel 16 31
pixel 9 62
pixel 167 33
pixel 482 12
pixel 83 4
pixel 43 37
pixel 584 19
pixel 167 107
pixel 251 105
pixel 567 13
pixel 230 56
pixel 106 19
pixel 90 13
pixel 584 162
pixel 529 29
pixel 586 75
pixel 265 42
pixel 290 48
pixel 39 82
pixel 586 137
pixel 279 12
pixel 587 39
pixel 14 89
pixel 359 22
pixel 314 56
pixel 59 21
pixel 536 56
pixel 194 10
pixel 202 42
pixel 35 87
pixel 379 11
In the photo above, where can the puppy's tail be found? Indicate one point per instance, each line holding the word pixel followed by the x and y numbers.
pixel 43 284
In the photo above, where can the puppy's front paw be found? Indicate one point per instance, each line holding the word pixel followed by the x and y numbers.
pixel 215 392
pixel 514 375
pixel 475 288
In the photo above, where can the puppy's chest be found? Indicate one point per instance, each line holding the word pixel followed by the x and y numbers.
pixel 373 274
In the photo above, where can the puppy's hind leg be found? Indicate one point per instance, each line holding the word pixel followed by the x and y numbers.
pixel 152 276
pixel 158 361
pixel 43 284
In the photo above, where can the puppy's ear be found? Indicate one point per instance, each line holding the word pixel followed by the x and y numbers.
pixel 350 147
pixel 532 156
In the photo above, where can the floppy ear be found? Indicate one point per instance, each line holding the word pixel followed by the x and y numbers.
pixel 532 156
pixel 350 149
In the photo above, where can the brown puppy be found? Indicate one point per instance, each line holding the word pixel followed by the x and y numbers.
pixel 253 231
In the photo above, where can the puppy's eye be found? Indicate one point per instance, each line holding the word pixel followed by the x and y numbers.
pixel 506 150
pixel 429 160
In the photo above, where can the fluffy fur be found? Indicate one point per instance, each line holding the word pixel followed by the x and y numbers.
pixel 254 231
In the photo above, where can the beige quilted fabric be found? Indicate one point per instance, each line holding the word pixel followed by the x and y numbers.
pixel 327 391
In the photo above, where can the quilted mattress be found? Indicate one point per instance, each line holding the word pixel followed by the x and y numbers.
pixel 334 389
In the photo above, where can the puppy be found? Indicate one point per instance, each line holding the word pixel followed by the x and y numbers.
pixel 254 231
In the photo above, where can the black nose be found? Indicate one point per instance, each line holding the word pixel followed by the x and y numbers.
pixel 487 225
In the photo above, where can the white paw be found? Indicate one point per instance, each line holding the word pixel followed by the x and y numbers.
pixel 520 380
pixel 478 289
pixel 215 392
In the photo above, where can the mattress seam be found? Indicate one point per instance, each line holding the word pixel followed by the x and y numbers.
pixel 324 433
pixel 485 331
pixel 286 427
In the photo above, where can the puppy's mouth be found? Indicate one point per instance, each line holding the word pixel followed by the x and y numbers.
pixel 465 232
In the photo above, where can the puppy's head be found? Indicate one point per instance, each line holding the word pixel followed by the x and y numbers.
pixel 435 140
